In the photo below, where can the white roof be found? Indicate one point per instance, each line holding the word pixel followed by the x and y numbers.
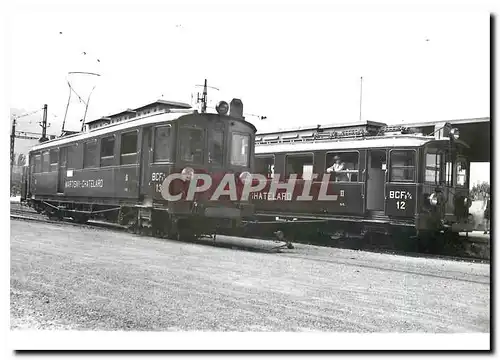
pixel 112 128
pixel 400 141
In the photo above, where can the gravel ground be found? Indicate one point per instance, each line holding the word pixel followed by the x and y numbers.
pixel 65 277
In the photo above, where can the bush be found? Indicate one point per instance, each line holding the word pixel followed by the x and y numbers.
pixel 478 189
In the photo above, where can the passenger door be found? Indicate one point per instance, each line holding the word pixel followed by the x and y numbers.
pixel 145 162
pixel 61 176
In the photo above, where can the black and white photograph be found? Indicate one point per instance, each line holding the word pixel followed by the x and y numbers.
pixel 249 176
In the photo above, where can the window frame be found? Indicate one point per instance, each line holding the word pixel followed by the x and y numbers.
pixel 211 146
pixel 441 168
pixel 132 155
pixel 204 142
pixel 286 175
pixel 45 165
pixel 272 156
pixel 108 157
pixel 96 162
pixel 415 167
pixel 248 160
pixel 171 144
pixel 37 164
pixel 53 166
pixel 73 149
pixel 350 171
pixel 467 174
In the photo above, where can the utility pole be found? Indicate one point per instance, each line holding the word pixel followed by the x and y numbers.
pixel 361 98
pixel 44 124
pixel 204 99
pixel 12 143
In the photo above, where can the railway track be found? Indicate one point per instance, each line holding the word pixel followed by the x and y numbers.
pixel 27 214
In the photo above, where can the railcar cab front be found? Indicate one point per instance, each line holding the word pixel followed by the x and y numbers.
pixel 202 143
pixel 445 182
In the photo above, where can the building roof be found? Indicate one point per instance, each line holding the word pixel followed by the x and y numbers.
pixel 172 104
pixel 401 141
pixel 102 119
pixel 112 128
pixel 324 127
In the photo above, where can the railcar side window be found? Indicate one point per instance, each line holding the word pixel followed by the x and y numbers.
pixel 344 166
pixel 74 159
pixel 433 164
pixel 38 163
pixel 192 145
pixel 240 149
pixel 90 154
pixel 301 165
pixel 402 166
pixel 128 152
pixel 215 156
pixel 163 145
pixel 461 173
pixel 265 166
pixel 45 161
pixel 54 159
pixel 107 151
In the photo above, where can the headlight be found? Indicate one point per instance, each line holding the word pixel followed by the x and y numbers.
pixel 222 108
pixel 187 173
pixel 433 199
pixel 245 177
pixel 467 202
pixel 455 133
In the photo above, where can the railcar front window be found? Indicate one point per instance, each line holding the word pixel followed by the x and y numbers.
pixel 402 166
pixel 240 149
pixel 433 163
pixel 192 145
pixel 461 173
pixel 217 144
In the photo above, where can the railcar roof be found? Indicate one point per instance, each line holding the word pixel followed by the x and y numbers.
pixel 111 128
pixel 398 141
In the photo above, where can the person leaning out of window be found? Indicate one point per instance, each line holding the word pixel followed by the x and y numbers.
pixel 338 169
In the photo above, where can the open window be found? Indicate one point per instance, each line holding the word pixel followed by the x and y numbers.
pixel 128 149
pixel 265 166
pixel 107 150
pixel 461 172
pixel 192 145
pixel 45 161
pixel 162 144
pixel 402 166
pixel 301 165
pixel 344 166
pixel 433 167
pixel 240 149
pixel 54 159
pixel 215 156
pixel 90 154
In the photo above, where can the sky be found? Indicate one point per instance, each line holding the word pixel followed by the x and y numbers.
pixel 295 68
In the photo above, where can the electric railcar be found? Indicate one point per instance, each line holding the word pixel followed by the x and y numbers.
pixel 117 171
pixel 388 180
